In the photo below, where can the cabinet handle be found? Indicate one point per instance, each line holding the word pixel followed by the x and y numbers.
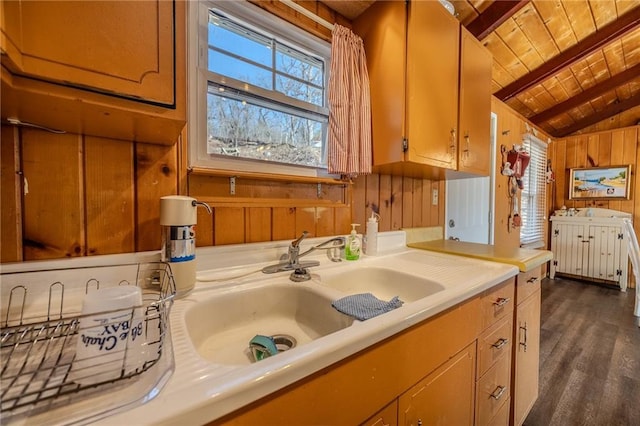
pixel 419 422
pixel 452 145
pixel 501 301
pixel 500 343
pixel 524 344
pixel 497 394
pixel 532 280
pixel 468 144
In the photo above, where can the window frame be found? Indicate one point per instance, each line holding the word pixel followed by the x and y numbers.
pixel 198 86
pixel 536 190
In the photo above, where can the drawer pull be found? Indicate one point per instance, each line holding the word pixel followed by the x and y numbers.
pixel 532 280
pixel 500 343
pixel 497 394
pixel 502 301
pixel 524 344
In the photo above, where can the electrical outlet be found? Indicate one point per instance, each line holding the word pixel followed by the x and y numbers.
pixel 434 197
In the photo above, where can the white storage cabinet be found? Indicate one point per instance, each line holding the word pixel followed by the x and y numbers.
pixel 591 245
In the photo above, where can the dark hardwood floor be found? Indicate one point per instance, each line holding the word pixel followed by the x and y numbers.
pixel 589 357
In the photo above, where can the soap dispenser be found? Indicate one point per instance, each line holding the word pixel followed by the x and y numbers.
pixel 354 244
pixel 371 238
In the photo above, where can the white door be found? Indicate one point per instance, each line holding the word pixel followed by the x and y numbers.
pixel 470 203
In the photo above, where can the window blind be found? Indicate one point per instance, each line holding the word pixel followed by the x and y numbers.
pixel 533 195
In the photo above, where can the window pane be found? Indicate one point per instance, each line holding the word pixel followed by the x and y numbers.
pixel 296 64
pixel 240 70
pixel 240 128
pixel 299 90
pixel 225 35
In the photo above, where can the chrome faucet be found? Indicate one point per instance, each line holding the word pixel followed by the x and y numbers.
pixel 291 260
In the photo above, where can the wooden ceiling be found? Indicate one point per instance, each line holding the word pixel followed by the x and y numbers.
pixel 569 66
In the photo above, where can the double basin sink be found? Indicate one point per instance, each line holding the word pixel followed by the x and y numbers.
pixel 221 324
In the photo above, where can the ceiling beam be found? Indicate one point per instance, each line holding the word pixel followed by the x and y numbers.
pixel 493 16
pixel 611 110
pixel 587 95
pixel 613 31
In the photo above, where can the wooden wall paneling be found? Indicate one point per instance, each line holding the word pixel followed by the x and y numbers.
pixel 617 158
pixel 359 200
pixel 109 195
pixel 425 217
pixel 629 156
pixel 284 223
pixel 396 202
pixel 372 200
pixel 156 170
pixel 384 208
pixel 257 224
pixel 10 195
pixel 306 220
pixel 54 212
pixel 560 166
pixel 229 225
pixel 325 222
pixel 342 220
pixel 417 203
pixel 204 228
pixel 407 202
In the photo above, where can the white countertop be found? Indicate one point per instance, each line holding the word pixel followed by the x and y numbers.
pixel 200 391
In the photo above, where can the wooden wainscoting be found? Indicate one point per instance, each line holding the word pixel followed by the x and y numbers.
pixel 72 195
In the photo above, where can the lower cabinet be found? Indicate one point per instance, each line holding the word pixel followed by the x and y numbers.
pixel 452 369
pixel 526 345
pixel 444 397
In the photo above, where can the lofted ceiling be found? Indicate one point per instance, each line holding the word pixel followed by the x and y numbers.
pixel 569 66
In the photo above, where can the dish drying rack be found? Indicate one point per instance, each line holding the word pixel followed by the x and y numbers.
pixel 40 318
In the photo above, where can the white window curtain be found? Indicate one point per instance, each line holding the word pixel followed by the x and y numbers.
pixel 533 197
pixel 349 142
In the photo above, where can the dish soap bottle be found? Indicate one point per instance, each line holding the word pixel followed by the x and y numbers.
pixel 352 250
pixel 371 240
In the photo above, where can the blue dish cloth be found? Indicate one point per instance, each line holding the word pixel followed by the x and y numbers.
pixel 366 305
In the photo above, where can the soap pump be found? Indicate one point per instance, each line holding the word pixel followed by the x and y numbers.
pixel 371 238
pixel 352 249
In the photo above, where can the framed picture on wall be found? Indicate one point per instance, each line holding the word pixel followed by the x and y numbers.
pixel 610 183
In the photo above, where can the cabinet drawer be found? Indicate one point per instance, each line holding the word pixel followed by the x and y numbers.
pixel 493 343
pixel 527 284
pixel 493 390
pixel 502 416
pixel 497 302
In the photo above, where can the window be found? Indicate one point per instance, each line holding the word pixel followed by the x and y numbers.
pixel 259 93
pixel 534 193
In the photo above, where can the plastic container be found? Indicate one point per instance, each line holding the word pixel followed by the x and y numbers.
pixel 371 239
pixel 354 244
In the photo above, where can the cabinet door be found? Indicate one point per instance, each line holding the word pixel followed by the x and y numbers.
pixel 383 28
pixel 474 138
pixel 444 397
pixel 526 357
pixel 432 85
pixel 604 252
pixel 122 48
pixel 568 245
pixel 388 416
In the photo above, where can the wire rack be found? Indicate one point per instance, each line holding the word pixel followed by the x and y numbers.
pixel 41 320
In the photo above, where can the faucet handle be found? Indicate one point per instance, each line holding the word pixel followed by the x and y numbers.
pixel 296 243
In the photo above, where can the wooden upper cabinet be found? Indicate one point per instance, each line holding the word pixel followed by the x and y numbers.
pixel 432 84
pixel 423 105
pixel 383 28
pixel 474 137
pixel 102 68
pixel 122 48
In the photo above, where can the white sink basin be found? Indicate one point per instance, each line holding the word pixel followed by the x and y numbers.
pixel 222 325
pixel 383 283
